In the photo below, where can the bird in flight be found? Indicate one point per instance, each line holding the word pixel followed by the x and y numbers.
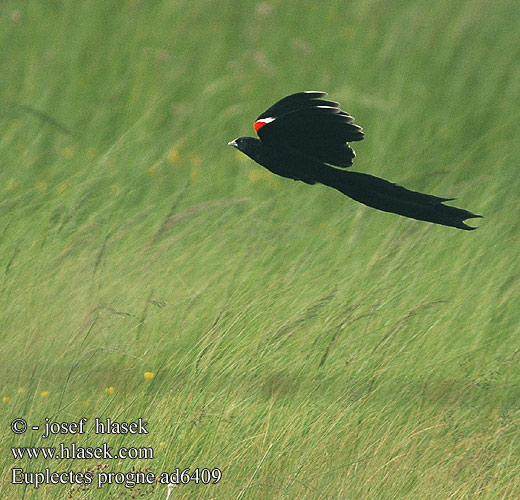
pixel 305 137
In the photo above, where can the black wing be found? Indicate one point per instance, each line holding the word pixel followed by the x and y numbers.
pixel 316 127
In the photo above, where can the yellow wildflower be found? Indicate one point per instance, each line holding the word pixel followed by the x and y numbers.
pixel 60 188
pixel 41 186
pixel 194 175
pixel 196 160
pixel 67 152
pixel 173 155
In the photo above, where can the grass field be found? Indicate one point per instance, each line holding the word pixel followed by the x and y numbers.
pixel 306 345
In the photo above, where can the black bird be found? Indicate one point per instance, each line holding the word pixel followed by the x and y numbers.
pixel 302 136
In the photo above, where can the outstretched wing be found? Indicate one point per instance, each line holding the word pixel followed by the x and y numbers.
pixel 315 127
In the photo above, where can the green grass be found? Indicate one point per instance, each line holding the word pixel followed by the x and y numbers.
pixel 306 345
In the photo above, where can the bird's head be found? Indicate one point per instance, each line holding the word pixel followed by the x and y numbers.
pixel 248 145
pixel 243 143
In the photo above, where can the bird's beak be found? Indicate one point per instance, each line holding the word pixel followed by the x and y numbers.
pixel 232 143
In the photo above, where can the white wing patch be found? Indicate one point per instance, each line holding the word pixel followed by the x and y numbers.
pixel 263 121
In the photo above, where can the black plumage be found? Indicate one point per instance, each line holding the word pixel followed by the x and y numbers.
pixel 304 137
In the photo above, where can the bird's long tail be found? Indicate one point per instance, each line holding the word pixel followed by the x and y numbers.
pixel 390 197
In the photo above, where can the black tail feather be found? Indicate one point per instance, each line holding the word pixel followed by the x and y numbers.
pixel 389 197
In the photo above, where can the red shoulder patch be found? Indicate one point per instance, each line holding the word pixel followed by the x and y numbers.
pixel 260 123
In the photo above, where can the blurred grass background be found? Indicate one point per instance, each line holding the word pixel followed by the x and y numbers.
pixel 306 345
